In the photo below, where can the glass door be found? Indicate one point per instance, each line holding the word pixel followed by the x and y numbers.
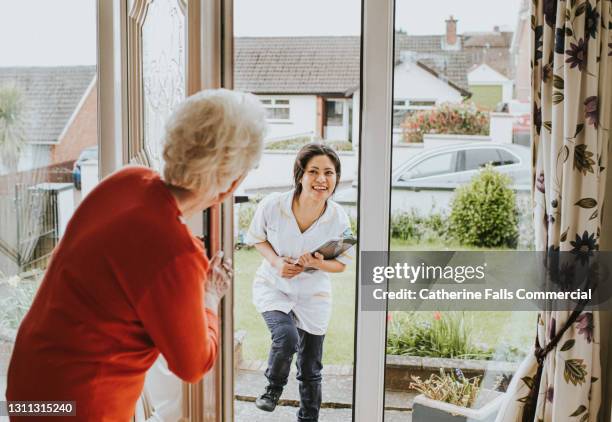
pixel 152 60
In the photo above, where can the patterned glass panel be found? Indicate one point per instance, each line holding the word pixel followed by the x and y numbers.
pixel 163 64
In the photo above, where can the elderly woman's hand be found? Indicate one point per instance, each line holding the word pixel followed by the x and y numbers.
pixel 287 268
pixel 219 280
pixel 311 260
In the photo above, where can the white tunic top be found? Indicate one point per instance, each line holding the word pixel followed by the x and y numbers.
pixel 308 294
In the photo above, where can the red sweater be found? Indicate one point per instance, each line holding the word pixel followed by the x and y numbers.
pixel 125 283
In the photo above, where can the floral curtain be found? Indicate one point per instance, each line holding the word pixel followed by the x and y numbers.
pixel 571 94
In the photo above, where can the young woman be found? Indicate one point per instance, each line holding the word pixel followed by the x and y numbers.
pixel 292 289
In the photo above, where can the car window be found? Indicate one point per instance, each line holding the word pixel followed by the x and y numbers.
pixel 478 158
pixel 507 157
pixel 431 166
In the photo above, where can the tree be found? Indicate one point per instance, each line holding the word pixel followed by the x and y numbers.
pixel 12 137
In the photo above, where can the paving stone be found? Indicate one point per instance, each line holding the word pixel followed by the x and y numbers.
pixel 337 389
pixel 247 412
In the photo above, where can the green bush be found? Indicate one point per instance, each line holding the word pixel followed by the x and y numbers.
pixel 444 335
pixel 294 144
pixel 484 212
pixel 447 118
pixel 410 225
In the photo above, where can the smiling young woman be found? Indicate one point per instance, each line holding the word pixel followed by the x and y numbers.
pixel 292 288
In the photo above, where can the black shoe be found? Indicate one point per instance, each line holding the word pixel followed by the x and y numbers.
pixel 268 400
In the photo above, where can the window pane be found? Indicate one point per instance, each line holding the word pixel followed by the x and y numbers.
pixel 450 66
pixel 439 164
pixel 478 158
pixel 163 64
pixel 280 113
pixel 334 113
pixel 507 157
pixel 48 143
pixel 422 103
pixel 282 102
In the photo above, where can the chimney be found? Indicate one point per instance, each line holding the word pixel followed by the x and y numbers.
pixel 451 31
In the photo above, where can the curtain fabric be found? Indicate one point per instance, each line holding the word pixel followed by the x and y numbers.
pixel 571 45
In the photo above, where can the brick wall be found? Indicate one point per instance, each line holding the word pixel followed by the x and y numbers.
pixel 82 132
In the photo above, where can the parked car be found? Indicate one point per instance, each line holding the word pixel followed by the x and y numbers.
pixel 439 171
pixel 455 165
pixel 90 153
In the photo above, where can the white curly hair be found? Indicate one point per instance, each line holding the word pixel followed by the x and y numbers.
pixel 212 139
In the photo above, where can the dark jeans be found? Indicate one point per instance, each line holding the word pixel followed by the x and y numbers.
pixel 286 340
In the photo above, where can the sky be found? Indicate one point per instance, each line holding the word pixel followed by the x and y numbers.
pixel 63 32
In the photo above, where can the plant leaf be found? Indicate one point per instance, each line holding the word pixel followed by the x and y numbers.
pixel 557 97
pixel 581 409
pixel 558 82
pixel 584 418
pixel 569 32
pixel 586 203
pixel 579 128
pixel 594 379
pixel 563 154
pixel 566 346
pixel 529 382
pixel 548 126
pixel 581 8
pixel 575 371
pixel 594 215
pixel 564 235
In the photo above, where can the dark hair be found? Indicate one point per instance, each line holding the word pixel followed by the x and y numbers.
pixel 307 152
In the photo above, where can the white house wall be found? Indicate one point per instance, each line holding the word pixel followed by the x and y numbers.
pixel 302 117
pixel 413 82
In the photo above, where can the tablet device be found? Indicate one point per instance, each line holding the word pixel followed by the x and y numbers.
pixel 335 247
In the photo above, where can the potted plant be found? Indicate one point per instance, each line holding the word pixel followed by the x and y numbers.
pixel 451 397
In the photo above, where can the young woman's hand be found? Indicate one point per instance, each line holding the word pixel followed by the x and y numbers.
pixel 287 268
pixel 311 260
pixel 219 280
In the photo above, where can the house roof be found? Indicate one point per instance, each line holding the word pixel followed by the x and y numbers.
pixel 297 65
pixel 330 65
pixel 50 95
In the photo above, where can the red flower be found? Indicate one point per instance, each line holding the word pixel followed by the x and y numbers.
pixel 437 316
pixel 389 317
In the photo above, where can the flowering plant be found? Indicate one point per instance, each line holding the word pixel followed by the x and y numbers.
pixel 447 118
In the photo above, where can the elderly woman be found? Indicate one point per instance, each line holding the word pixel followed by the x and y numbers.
pixel 128 280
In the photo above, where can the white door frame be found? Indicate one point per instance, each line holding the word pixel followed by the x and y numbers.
pixel 373 198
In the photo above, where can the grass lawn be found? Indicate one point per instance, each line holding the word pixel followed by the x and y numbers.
pixel 338 346
pixel 491 328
